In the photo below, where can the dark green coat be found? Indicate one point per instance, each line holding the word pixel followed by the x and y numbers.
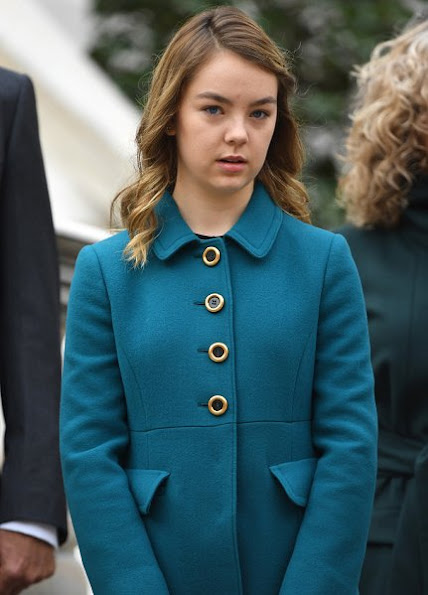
pixel 393 265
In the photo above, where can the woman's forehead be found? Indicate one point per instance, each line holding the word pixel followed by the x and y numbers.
pixel 229 75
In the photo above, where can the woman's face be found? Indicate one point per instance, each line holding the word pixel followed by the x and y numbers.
pixel 224 125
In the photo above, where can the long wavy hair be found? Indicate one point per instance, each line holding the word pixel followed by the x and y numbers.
pixel 222 28
pixel 387 143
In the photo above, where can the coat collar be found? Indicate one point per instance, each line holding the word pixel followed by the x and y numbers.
pixel 255 230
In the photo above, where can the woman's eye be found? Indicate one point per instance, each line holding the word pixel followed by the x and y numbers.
pixel 213 110
pixel 259 114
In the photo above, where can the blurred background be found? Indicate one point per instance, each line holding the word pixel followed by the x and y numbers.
pixel 90 62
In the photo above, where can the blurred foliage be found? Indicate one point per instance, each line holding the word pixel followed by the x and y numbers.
pixel 324 39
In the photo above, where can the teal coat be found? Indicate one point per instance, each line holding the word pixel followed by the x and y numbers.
pixel 273 495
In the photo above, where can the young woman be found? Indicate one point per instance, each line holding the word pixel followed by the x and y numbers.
pixel 218 420
pixel 385 192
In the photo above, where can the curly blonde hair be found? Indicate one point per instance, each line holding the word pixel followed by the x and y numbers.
pixel 387 142
pixel 227 28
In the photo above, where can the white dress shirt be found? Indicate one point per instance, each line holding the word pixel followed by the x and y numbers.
pixel 41 531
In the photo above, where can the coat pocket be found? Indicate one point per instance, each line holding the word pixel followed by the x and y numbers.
pixel 296 478
pixel 143 484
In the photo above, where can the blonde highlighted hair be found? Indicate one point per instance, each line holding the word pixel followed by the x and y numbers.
pixel 222 28
pixel 387 142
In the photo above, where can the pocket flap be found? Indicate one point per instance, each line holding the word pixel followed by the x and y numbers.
pixel 143 484
pixel 296 478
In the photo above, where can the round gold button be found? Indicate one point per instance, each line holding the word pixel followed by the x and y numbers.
pixel 214 302
pixel 211 256
pixel 217 405
pixel 218 352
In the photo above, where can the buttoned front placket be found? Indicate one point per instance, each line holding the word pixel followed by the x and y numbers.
pixel 217 351
pixel 216 306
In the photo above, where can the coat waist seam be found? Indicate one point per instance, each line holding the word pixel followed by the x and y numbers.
pixel 230 423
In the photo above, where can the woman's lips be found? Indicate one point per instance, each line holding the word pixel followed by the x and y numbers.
pixel 231 166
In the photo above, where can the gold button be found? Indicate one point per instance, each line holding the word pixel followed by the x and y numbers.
pixel 217 405
pixel 211 256
pixel 214 302
pixel 218 352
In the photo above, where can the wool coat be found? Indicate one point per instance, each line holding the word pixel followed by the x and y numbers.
pixel 393 265
pixel 243 468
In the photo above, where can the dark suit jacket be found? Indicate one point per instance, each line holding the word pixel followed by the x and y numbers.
pixel 31 484
pixel 393 265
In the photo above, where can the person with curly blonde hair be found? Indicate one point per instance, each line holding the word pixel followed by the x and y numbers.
pixel 385 193
pixel 218 424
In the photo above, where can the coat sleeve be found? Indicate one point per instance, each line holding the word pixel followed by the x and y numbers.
pixel 115 548
pixel 30 364
pixel 330 546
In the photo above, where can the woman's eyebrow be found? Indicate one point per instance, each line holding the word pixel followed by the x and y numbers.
pixel 263 101
pixel 214 97
pixel 221 99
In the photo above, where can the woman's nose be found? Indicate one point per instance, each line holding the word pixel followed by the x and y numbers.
pixel 236 132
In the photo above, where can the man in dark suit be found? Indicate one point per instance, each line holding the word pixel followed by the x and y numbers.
pixel 32 503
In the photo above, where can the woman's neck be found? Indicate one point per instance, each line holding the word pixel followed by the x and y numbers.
pixel 211 215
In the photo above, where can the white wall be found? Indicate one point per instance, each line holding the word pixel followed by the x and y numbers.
pixel 87 125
